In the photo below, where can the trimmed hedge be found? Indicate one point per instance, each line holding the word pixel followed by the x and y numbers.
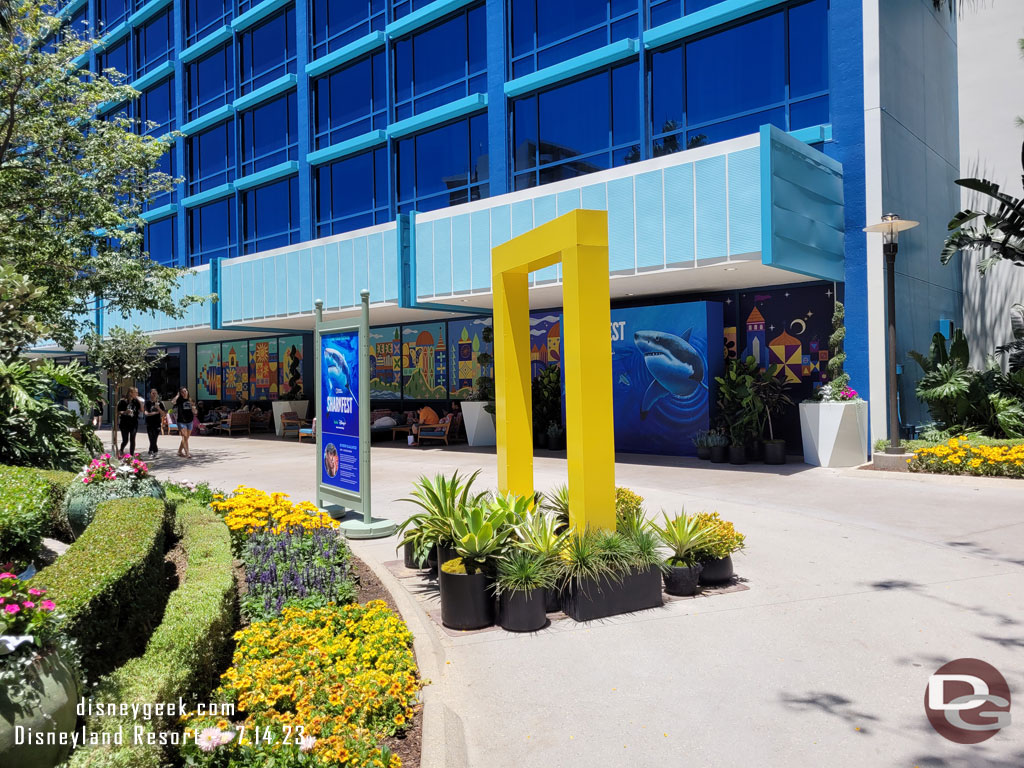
pixel 31 506
pixel 186 652
pixel 110 583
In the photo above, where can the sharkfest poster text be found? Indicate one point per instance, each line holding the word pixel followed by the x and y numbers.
pixel 339 410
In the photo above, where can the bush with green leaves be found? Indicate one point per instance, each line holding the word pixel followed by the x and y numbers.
pixel 86 492
pixel 31 501
pixel 722 538
pixel 962 399
pixel 110 583
pixel 185 653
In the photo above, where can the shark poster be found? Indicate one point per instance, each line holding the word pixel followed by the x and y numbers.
pixel 339 410
pixel 662 375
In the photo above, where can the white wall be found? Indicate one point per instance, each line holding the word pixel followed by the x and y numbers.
pixel 991 99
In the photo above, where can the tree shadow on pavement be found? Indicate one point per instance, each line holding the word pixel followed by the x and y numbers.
pixel 831 704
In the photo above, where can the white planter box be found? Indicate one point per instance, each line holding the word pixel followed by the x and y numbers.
pixel 834 434
pixel 283 406
pixel 479 423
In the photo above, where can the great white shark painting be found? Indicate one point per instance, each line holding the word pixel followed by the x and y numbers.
pixel 677 368
pixel 339 377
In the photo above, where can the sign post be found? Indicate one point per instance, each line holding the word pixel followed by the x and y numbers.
pixel 343 422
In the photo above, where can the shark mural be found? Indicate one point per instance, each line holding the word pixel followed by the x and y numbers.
pixel 662 374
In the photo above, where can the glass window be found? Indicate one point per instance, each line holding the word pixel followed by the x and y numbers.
pixel 116 58
pixel 269 134
pixel 110 13
pixel 445 166
pixel 400 8
pixel 203 17
pixel 167 165
pixel 210 158
pixel 211 232
pixel 773 69
pixel 578 128
pixel 160 241
pixel 267 51
pixel 78 24
pixel 270 216
pixel 441 64
pixel 668 10
pixel 546 33
pixel 350 101
pixel 156 108
pixel 351 193
pixel 336 24
pixel 154 43
pixel 209 82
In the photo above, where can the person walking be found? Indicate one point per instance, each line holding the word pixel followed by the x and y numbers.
pixel 155 413
pixel 184 414
pixel 128 409
pixel 97 412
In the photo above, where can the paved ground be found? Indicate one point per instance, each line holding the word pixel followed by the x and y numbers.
pixel 861 585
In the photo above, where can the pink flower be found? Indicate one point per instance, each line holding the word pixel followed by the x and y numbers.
pixel 12 608
pixel 306 743
pixel 86 480
pixel 29 604
pixel 34 591
pixel 47 605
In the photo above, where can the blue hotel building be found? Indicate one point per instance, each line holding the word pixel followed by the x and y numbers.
pixel 739 147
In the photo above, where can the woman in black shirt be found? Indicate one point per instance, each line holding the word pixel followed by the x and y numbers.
pixel 184 413
pixel 154 420
pixel 128 408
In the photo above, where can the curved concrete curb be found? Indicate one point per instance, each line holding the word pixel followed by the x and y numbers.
pixel 444 739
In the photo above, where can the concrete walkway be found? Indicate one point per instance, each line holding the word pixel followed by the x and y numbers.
pixel 861 585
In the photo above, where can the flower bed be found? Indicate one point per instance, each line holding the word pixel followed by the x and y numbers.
pixel 959 456
pixel 107 478
pixel 342 679
pixel 248 510
pixel 110 582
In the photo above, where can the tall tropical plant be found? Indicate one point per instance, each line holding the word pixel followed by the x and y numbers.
pixel 442 500
pixel 738 404
pixel 481 535
pixel 683 535
pixel 556 503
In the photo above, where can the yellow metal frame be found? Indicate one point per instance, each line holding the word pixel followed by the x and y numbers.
pixel 579 240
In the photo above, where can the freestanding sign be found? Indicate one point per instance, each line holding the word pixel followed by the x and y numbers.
pixel 343 421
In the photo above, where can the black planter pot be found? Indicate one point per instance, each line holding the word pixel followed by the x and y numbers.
pixel 552 600
pixel 755 450
pixel 522 611
pixel 737 454
pixel 719 454
pixel 717 571
pixel 466 600
pixel 431 563
pixel 775 452
pixel 703 452
pixel 682 581
pixel 410 556
pixel 597 599
pixel 445 553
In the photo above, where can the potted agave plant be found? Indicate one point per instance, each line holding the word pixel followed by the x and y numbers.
pixel 522 583
pixel 702 443
pixel 544 534
pixel 683 536
pixel 716 549
pixel 466 581
pixel 442 499
pixel 38 689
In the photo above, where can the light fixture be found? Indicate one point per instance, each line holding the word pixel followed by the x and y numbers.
pixel 890 227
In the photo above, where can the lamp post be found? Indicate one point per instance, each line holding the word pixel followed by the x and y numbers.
pixel 890 226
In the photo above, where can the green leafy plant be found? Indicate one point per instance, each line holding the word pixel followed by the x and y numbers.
pixel 556 503
pixel 684 536
pixel 542 534
pixel 524 571
pixel 770 389
pixel 517 508
pixel 592 556
pixel 962 399
pixel 1014 349
pixel 27 501
pixel 717 439
pixel 721 540
pixel 546 391
pixel 738 403
pixel 442 499
pixel 644 547
pixel 481 535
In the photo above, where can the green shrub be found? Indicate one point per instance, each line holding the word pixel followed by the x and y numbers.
pixel 186 652
pixel 31 501
pixel 110 583
pixel 722 538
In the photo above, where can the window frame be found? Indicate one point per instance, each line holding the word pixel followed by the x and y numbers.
pixel 281 153
pixel 139 39
pixel 203 255
pixel 247 82
pixel 267 241
pixel 377 213
pixel 475 189
pixel 147 243
pixel 191 73
pixel 377 115
pixel 213 179
pixel 191 38
pixel 322 41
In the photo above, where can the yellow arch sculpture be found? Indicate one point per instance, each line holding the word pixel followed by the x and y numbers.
pixel 579 240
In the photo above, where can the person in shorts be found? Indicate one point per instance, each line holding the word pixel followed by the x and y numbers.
pixel 184 414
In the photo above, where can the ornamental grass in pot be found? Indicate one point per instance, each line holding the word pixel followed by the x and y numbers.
pixel 522 583
pixel 718 445
pixel 482 535
pixel 683 535
pixel 39 687
pixel 544 534
pixel 702 444
pixel 715 551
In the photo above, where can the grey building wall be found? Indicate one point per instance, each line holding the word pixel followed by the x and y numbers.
pixel 991 99
pixel 919 162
